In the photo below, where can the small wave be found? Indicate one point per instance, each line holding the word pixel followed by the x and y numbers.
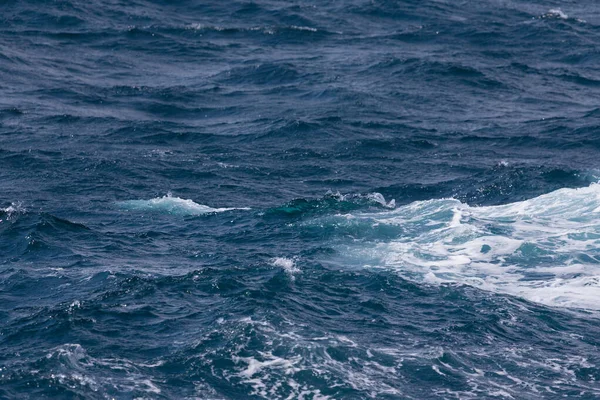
pixel 204 27
pixel 266 30
pixel 303 28
pixel 12 111
pixel 172 205
pixel 15 208
pixel 288 265
pixel 374 197
pixel 287 372
pixel 262 74
pixel 71 366
pixel 330 203
pixel 557 13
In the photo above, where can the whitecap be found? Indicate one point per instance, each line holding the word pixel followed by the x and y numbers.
pixel 556 13
pixel 288 265
pixel 546 249
pixel 15 208
pixel 73 366
pixel 374 197
pixel 171 205
pixel 303 28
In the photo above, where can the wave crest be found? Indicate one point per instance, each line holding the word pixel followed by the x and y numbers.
pixel 172 205
pixel 546 249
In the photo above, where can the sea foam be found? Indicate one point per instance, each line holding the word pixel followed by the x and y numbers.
pixel 546 249
pixel 11 211
pixel 171 205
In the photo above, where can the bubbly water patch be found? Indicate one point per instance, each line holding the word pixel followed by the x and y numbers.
pixel 171 205
pixel 70 365
pixel 546 249
pixel 556 13
pixel 288 265
pixel 286 359
pixel 303 28
pixel 15 208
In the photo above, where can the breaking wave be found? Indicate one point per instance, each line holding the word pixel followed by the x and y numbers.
pixel 171 205
pixel 546 249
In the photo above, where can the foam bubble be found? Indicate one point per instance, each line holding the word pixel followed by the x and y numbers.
pixel 171 205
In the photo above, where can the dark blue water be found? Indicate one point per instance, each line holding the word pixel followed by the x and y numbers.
pixel 299 199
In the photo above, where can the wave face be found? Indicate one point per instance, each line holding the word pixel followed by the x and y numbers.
pixel 371 199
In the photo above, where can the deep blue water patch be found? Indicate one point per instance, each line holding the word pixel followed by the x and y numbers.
pixel 299 200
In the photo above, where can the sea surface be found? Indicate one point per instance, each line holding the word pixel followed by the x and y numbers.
pixel 361 199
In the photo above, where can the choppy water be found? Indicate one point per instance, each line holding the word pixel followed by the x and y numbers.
pixel 299 199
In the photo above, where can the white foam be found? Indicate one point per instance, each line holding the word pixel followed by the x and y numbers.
pixel 556 12
pixel 546 249
pixel 15 208
pixel 172 205
pixel 374 197
pixel 279 374
pixel 270 361
pixel 378 198
pixel 303 28
pixel 74 366
pixel 288 264
pixel 201 27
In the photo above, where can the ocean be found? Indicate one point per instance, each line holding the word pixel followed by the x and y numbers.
pixel 362 199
